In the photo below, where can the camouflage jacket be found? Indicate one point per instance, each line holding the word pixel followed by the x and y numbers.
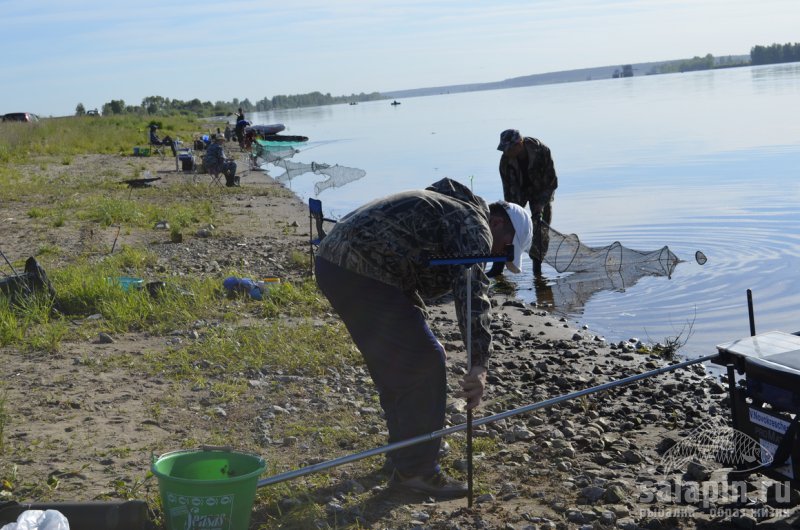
pixel 214 157
pixel 390 240
pixel 536 182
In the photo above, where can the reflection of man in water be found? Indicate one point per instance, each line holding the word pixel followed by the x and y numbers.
pixel 544 293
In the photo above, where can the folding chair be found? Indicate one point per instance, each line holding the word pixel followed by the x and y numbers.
pixel 200 169
pixel 157 148
pixel 315 217
pixel 216 177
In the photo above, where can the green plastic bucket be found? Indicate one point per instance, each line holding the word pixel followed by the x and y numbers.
pixel 208 489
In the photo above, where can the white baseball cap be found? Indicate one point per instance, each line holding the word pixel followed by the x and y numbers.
pixel 523 233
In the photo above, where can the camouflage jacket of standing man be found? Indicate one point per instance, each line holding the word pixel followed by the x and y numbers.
pixel 534 181
pixel 390 239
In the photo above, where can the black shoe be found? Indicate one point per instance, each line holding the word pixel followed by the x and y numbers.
pixel 496 270
pixel 437 485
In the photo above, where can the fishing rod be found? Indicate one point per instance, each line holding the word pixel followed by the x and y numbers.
pixel 482 421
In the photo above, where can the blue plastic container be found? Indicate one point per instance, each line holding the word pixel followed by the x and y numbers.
pixel 127 282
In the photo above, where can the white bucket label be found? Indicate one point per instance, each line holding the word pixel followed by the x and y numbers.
pixel 200 512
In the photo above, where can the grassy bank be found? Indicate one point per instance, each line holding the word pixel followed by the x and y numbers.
pixel 71 136
pixel 97 201
pixel 57 183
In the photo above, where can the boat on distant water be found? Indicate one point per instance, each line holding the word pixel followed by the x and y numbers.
pixel 395 102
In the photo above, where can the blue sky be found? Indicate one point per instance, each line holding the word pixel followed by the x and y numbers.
pixel 59 53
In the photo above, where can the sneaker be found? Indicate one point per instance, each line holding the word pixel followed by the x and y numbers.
pixel 436 485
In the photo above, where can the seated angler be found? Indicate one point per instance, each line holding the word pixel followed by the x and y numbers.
pixel 155 140
pixel 216 162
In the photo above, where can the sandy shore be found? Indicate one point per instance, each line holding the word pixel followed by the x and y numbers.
pixel 596 461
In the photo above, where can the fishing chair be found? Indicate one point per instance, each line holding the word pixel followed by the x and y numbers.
pixel 315 216
pixel 216 177
pixel 201 169
pixel 155 147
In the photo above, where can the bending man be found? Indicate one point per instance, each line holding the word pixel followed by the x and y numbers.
pixel 372 267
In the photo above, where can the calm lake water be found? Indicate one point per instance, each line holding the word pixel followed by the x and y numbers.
pixel 698 161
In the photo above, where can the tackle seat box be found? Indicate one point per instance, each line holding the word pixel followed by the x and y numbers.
pixel 187 159
pixel 764 407
pixel 775 379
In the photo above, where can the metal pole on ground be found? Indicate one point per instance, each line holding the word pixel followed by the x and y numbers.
pixel 468 273
pixel 470 262
pixel 289 475
pixel 13 270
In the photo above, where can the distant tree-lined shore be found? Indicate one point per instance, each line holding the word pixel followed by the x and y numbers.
pixel 161 106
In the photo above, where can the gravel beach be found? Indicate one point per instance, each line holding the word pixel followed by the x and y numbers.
pixel 596 461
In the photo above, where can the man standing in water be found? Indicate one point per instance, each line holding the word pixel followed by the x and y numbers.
pixel 528 175
pixel 373 267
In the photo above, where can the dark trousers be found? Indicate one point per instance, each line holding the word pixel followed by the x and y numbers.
pixel 404 358
pixel 541 235
pixel 164 141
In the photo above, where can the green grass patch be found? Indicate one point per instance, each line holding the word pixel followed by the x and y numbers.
pixel 294 299
pixel 139 212
pixel 70 136
pixel 86 289
pixel 302 348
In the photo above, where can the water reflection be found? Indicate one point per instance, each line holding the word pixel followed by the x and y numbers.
pixel 568 295
pixel 280 157
pixel 337 175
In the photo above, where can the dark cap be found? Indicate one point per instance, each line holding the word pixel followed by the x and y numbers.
pixel 508 138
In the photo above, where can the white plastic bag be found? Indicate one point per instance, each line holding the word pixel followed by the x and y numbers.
pixel 39 520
